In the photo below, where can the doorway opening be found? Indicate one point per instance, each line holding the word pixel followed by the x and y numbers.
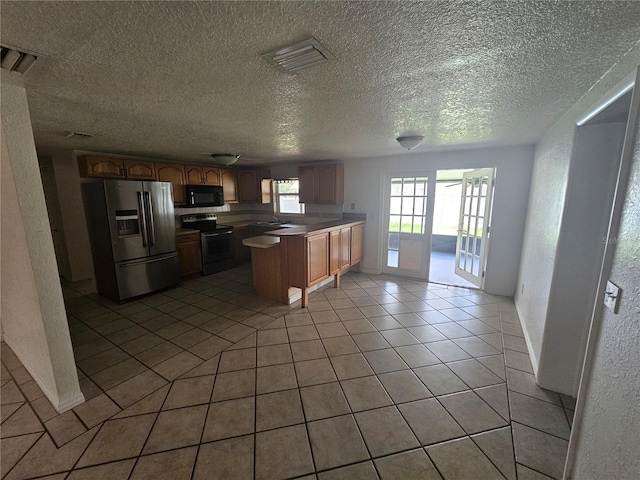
pixel 462 208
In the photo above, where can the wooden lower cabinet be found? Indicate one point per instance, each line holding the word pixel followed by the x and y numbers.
pixel 242 252
pixel 357 238
pixel 334 252
pixel 317 256
pixel 189 254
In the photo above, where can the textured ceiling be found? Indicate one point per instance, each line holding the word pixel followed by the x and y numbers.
pixel 178 80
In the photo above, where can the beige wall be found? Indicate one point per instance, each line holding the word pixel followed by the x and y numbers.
pixel 34 321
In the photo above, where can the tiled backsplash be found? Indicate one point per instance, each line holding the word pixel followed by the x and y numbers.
pixel 232 213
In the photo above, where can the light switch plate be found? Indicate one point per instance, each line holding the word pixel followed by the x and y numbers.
pixel 612 297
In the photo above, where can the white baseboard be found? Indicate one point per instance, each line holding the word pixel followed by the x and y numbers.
pixel 532 357
pixel 60 404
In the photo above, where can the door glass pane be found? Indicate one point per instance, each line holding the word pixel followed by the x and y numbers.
pixel 483 203
pixel 396 187
pixel 467 205
pixel 407 205
pixel 408 187
pixel 421 187
pixel 406 224
pixel 474 206
pixel 478 245
pixel 483 189
pixel 394 241
pixel 418 225
pixel 472 226
pixel 419 206
pixel 480 226
pixel 394 223
pixel 394 207
pixel 469 188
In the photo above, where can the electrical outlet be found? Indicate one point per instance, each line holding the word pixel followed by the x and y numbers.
pixel 353 206
pixel 612 297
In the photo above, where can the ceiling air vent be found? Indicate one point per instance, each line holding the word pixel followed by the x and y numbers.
pixel 294 58
pixel 16 61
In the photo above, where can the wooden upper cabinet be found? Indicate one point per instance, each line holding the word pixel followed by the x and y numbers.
pixel 228 182
pixel 211 175
pixel 193 174
pixel 139 169
pixel 357 236
pixel 317 258
pixel 248 187
pixel 322 184
pixel 103 167
pixel 107 167
pixel 167 172
pixel 199 175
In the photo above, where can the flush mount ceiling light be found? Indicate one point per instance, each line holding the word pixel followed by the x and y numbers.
pixel 225 159
pixel 294 58
pixel 411 141
pixel 16 61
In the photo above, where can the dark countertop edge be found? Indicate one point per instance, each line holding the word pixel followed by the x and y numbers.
pixel 305 230
pixel 186 231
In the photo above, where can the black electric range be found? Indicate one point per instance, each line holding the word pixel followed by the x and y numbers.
pixel 216 241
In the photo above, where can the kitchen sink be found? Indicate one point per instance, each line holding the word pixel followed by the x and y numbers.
pixel 274 224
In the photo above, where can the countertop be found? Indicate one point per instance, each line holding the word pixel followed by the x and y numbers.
pixel 261 241
pixel 185 231
pixel 305 230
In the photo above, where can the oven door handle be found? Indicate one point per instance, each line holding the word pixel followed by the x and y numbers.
pixel 215 234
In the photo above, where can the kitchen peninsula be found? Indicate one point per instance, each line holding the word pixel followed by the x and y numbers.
pixel 303 256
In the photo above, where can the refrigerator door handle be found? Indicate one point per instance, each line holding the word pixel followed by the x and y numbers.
pixel 145 261
pixel 143 214
pixel 152 229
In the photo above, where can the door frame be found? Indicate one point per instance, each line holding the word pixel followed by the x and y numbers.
pixel 384 221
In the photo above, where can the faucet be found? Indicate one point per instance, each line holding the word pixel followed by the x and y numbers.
pixel 277 219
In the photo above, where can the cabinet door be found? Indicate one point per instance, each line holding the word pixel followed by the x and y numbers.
pixel 345 247
pixel 335 252
pixel 228 181
pixel 317 258
pixel 166 172
pixel 189 254
pixel 211 176
pixel 307 181
pixel 357 234
pixel 139 169
pixel 242 252
pixel 330 184
pixel 248 186
pixel 103 167
pixel 193 175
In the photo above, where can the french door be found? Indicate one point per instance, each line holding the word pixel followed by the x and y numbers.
pixel 473 227
pixel 408 221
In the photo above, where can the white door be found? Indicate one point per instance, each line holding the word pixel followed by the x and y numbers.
pixel 473 227
pixel 408 219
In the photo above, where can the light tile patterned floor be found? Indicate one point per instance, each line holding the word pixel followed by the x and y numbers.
pixel 382 378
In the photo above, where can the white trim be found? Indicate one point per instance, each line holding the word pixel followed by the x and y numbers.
pixel 615 93
pixel 61 405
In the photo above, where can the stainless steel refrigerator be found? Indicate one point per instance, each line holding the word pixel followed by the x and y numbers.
pixel 132 231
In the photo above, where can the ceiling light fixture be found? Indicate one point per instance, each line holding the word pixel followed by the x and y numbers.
pixel 411 141
pixel 293 58
pixel 225 159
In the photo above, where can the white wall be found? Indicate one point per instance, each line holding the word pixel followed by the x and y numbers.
pixel 592 174
pixel 34 321
pixel 363 188
pixel 547 204
pixel 609 431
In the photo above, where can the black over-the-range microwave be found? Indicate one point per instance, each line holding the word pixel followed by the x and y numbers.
pixel 204 196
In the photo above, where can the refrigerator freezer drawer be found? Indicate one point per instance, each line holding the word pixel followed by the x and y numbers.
pixel 147 275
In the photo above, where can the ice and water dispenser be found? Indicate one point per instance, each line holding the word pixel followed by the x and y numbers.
pixel 127 223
